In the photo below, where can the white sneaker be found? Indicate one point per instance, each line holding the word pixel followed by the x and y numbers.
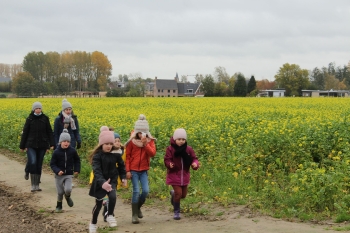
pixel 92 228
pixel 111 221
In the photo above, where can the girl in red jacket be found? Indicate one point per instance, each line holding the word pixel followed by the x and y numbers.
pixel 178 159
pixel 139 149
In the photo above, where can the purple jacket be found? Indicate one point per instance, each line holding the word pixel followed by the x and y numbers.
pixel 179 174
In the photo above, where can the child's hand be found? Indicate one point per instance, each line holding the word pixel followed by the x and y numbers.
pixel 125 182
pixel 106 186
pixel 194 165
pixel 128 175
pixel 76 174
pixel 171 165
pixel 60 173
pixel 144 141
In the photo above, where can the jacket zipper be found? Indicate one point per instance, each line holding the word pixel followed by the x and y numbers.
pixel 65 162
pixel 140 159
pixel 182 172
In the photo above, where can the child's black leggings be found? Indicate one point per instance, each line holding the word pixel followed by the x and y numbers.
pixel 112 199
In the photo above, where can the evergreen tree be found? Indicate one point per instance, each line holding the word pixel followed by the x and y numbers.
pixel 251 84
pixel 240 88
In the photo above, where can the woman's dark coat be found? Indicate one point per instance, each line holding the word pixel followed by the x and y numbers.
pixel 37 132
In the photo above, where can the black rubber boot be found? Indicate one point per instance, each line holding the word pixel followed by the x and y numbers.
pixel 140 215
pixel 177 211
pixel 32 182
pixel 37 180
pixel 135 212
pixel 59 207
pixel 69 200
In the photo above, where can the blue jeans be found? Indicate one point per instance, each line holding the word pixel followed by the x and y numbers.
pixel 35 160
pixel 136 179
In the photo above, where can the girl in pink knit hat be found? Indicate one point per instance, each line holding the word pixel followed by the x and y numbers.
pixel 179 157
pixel 105 176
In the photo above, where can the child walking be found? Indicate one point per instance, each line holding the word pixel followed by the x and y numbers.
pixel 64 163
pixel 105 176
pixel 139 149
pixel 119 150
pixel 178 159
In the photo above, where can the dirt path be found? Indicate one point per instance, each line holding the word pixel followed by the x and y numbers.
pixel 156 219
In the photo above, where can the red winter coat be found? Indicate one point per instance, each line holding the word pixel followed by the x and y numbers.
pixel 138 158
pixel 179 174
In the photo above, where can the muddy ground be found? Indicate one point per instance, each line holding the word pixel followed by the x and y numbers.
pixel 23 211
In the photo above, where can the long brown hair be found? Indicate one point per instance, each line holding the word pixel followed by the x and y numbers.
pixel 97 149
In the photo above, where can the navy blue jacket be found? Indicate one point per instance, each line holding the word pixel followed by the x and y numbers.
pixel 59 126
pixel 66 160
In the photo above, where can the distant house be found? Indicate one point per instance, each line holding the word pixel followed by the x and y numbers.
pixel 330 93
pixel 116 84
pixel 172 88
pixel 149 89
pixel 272 93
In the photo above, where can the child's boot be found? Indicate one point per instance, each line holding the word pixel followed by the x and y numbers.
pixel 172 197
pixel 141 202
pixel 69 200
pixel 32 182
pixel 177 211
pixel 59 207
pixel 135 212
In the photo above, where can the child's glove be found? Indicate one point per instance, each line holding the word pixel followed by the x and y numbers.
pixel 78 145
pixel 106 186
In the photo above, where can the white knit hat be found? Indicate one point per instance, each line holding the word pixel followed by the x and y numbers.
pixel 141 125
pixel 180 133
pixel 65 104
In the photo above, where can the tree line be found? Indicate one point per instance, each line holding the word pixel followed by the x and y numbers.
pixel 53 73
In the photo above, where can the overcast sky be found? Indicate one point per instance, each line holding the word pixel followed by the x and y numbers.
pixel 160 38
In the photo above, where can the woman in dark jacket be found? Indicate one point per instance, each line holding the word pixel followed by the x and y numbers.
pixel 67 120
pixel 36 140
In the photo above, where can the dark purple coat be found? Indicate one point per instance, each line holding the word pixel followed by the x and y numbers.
pixel 179 174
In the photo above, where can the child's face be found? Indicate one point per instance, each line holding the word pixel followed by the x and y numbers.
pixel 180 141
pixel 117 142
pixel 107 147
pixel 65 144
pixel 141 135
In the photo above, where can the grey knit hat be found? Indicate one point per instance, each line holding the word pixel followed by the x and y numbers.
pixel 141 125
pixel 65 104
pixel 37 105
pixel 65 136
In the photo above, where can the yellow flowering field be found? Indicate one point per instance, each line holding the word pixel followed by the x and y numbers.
pixel 284 156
